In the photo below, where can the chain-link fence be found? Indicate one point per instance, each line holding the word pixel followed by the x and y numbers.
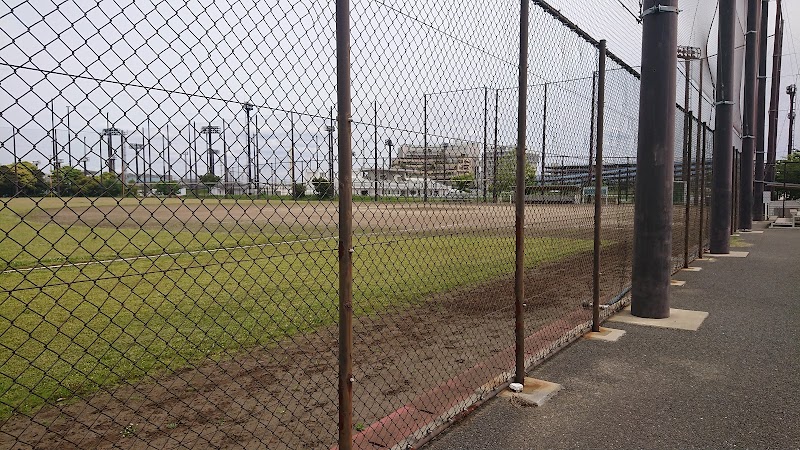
pixel 171 226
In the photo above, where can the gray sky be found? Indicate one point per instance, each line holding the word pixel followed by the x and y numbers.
pixel 168 63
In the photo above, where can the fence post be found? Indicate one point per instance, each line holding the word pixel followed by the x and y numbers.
pixel 485 138
pixel 519 275
pixel 598 186
pixel 591 126
pixel 652 244
pixel 345 225
pixel 686 166
pixel 375 138
pixel 721 189
pixel 700 131
pixel 702 190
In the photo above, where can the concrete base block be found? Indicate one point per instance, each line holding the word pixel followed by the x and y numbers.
pixel 731 255
pixel 605 335
pixel 744 232
pixel 677 283
pixel 681 319
pixel 692 269
pixel 535 393
pixel 705 259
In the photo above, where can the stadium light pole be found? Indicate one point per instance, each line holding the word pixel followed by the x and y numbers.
pixel 687 54
pixel 136 147
pixel 652 243
pixel 208 130
pixel 792 91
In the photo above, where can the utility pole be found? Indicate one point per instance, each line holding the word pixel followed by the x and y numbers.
pixel 774 102
pixel 652 244
pixel 721 188
pixel 247 108
pixel 749 116
pixel 761 107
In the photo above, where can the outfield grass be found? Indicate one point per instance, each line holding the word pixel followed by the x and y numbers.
pixel 72 330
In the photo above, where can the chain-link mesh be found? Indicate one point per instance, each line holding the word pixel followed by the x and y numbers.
pixel 170 228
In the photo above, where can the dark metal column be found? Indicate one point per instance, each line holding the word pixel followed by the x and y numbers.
pixel 749 116
pixel 519 272
pixel 774 102
pixel 425 147
pixel 598 186
pixel 652 243
pixel 343 100
pixel 485 137
pixel 721 189
pixel 686 164
pixel 544 135
pixel 761 107
pixel 792 91
pixel 494 156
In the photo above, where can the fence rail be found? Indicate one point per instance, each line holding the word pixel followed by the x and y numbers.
pixel 205 243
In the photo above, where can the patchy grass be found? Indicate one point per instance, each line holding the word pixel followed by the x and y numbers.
pixel 71 330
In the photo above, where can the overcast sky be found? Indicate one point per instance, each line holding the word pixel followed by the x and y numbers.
pixel 168 64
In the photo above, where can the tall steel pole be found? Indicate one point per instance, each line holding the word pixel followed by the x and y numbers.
pixel 591 126
pixel 345 226
pixel 699 129
pixel 375 138
pixel 774 103
pixel 598 186
pixel 761 107
pixel 792 91
pixel 749 116
pixel 686 164
pixel 519 272
pixel 292 156
pixel 544 134
pixel 652 243
pixel 494 155
pixel 247 108
pixel 485 136
pixel 721 189
pixel 702 195
pixel 425 147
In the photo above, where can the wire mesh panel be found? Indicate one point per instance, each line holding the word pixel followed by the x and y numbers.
pixel 169 240
pixel 169 216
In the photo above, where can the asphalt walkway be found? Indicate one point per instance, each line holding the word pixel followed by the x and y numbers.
pixel 734 383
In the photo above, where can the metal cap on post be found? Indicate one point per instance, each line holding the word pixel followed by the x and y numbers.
pixel 652 242
pixel 721 188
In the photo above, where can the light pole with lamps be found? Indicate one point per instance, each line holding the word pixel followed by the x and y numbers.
pixel 687 54
pixel 208 130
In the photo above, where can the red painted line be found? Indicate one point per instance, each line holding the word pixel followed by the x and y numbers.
pixel 432 404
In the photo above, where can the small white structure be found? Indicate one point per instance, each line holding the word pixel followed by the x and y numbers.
pixel 396 183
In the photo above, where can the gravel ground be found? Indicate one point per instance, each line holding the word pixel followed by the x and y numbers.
pixel 731 384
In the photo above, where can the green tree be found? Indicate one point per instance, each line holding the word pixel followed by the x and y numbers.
pixel 298 191
pixel 106 185
pixel 323 188
pixel 506 173
pixel 71 182
pixel 209 180
pixel 464 182
pixel 22 178
pixel 167 188
pixel 790 173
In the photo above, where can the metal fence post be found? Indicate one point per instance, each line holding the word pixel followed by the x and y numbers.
pixel 774 102
pixel 519 275
pixel 721 189
pixel 494 156
pixel 485 137
pixel 345 225
pixel 375 139
pixel 598 186
pixel 702 191
pixel 652 242
pixel 544 135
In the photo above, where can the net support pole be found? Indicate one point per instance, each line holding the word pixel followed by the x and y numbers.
pixel 598 186
pixel 652 243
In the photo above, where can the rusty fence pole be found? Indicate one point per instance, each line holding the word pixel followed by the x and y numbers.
pixel 519 275
pixel 598 186
pixel 702 190
pixel 652 240
pixel 345 225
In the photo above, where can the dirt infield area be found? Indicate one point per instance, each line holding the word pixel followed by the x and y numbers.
pixel 284 396
pixel 261 215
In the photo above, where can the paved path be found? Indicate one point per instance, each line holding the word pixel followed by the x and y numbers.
pixel 734 383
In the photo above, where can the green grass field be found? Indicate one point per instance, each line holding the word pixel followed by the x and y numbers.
pixel 68 331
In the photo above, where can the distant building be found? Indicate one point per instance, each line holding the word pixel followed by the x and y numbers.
pixel 396 182
pixel 443 161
